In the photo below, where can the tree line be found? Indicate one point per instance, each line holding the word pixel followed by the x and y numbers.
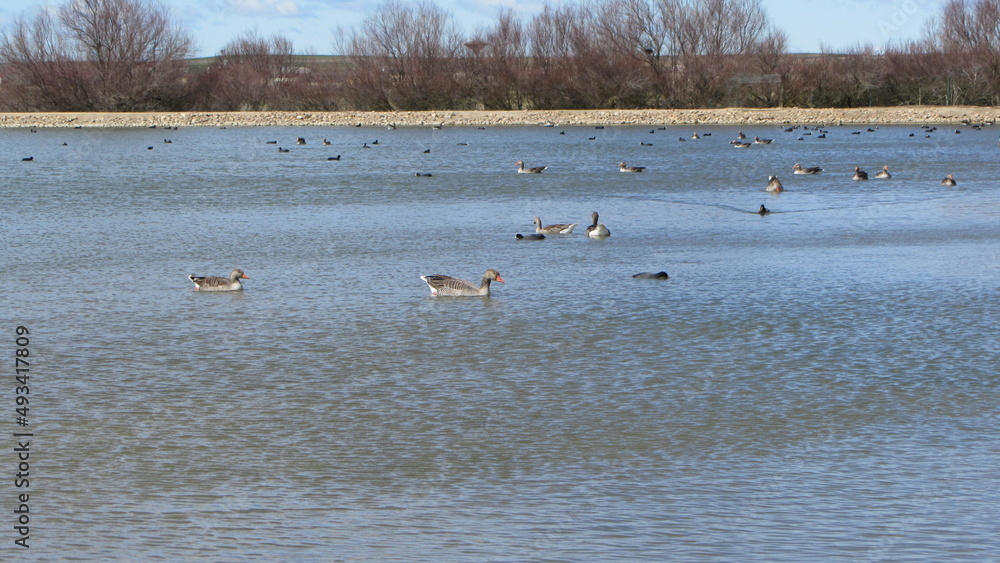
pixel 130 55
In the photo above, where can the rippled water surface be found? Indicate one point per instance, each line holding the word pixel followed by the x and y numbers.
pixel 818 383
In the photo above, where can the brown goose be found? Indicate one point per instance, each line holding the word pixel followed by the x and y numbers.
pixel 216 283
pixel 597 229
pixel 949 181
pixel 449 286
pixel 555 229
pixel 533 170
pixel 810 170
pixel 884 173
pixel 759 141
pixel 774 184
pixel 623 168
pixel 859 174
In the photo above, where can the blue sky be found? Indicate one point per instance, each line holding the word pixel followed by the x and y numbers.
pixel 809 24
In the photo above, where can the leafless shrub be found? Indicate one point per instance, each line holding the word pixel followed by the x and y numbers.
pixel 404 57
pixel 105 55
pixel 252 73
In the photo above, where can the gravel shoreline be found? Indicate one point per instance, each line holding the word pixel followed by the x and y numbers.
pixel 921 115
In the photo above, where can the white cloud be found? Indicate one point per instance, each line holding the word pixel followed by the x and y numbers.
pixel 265 7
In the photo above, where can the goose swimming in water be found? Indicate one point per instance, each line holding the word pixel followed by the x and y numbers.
pixel 554 229
pixel 597 229
pixel 454 287
pixel 216 283
pixel 623 168
pixel 859 174
pixel 798 168
pixel 884 173
pixel 949 181
pixel 774 184
pixel 763 210
pixel 760 141
pixel 533 170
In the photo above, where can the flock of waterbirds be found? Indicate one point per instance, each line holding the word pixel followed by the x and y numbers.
pixel 443 285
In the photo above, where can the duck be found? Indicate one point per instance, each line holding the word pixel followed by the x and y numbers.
pixel 300 141
pixel 760 141
pixel 623 168
pixel 333 157
pixel 884 173
pixel 597 229
pixel 859 174
pixel 949 181
pixel 423 174
pixel 283 149
pixel 651 276
pixel 554 229
pixel 799 169
pixel 531 236
pixel 533 170
pixel 449 286
pixel 774 184
pixel 27 159
pixel 763 210
pixel 216 283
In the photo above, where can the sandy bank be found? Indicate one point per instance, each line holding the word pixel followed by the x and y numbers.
pixel 726 116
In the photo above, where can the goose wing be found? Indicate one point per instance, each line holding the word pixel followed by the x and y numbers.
pixel 439 282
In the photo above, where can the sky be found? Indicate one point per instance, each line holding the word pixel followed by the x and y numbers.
pixel 810 25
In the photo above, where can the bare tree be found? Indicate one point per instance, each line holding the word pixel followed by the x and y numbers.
pixel 405 57
pixel 252 73
pixel 120 55
pixel 41 73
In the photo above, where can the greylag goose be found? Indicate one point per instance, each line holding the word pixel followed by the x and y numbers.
pixel 533 170
pixel 763 210
pixel 449 286
pixel 695 135
pixel 884 173
pixel 300 141
pixel 623 168
pixel 760 141
pixel 554 229
pixel 532 236
pixel 859 174
pixel 799 169
pixel 597 229
pixel 325 142
pixel 740 135
pixel 216 283
pixel 774 185
pixel 739 144
pixel 949 181
pixel 651 276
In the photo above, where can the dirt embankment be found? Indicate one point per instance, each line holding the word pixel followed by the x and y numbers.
pixel 726 116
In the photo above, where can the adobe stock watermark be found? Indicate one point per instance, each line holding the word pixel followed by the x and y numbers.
pixel 902 14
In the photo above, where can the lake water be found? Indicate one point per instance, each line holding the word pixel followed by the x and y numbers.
pixel 820 383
